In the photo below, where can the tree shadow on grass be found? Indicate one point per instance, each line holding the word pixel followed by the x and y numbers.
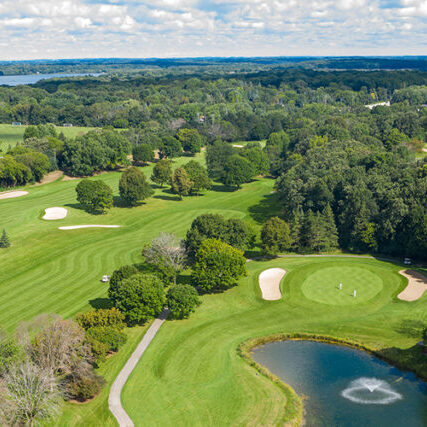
pixel 101 303
pixel 118 202
pixel 410 328
pixel 82 208
pixel 268 207
pixel 168 198
pixel 223 188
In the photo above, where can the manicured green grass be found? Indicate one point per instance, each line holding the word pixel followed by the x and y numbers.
pixel 192 375
pixel 11 135
pixel 323 285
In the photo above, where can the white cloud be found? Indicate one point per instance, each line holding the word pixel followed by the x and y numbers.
pixel 214 27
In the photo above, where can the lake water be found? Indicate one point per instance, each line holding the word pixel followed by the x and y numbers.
pixel 34 78
pixel 346 387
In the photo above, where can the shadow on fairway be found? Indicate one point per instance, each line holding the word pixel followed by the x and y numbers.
pixel 267 207
pixel 101 303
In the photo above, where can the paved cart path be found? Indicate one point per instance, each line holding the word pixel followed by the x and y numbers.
pixel 114 399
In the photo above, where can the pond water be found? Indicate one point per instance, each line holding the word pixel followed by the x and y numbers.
pixel 28 79
pixel 342 386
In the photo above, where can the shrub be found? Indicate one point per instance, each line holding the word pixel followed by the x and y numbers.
pixel 83 384
pixel 108 335
pixel 182 301
pixel 101 318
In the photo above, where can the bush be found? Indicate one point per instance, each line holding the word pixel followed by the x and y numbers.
pixel 218 266
pixel 101 318
pixel 83 384
pixel 140 298
pixel 124 272
pixel 182 301
pixel 133 186
pixel 110 336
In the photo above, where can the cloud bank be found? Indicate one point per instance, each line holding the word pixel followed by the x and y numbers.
pixel 189 28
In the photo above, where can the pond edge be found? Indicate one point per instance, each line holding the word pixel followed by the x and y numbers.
pixel 294 407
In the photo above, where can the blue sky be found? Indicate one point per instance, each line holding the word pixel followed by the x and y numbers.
pixel 31 29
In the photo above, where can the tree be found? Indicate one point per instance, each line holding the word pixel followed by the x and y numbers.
pixel 122 273
pixel 275 236
pixel 181 183
pixel 218 266
pixel 170 148
pixel 142 153
pixel 190 139
pixel 31 394
pixel 133 186
pixel 13 172
pixel 330 228
pixel 167 254
pixel 237 171
pixel 10 352
pixel 182 300
pixel 96 196
pixel 198 175
pixel 217 156
pixel 314 236
pixel 4 240
pixel 38 163
pixel 140 298
pixel 258 159
pixel 162 172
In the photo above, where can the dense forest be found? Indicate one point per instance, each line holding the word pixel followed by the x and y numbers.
pixel 349 174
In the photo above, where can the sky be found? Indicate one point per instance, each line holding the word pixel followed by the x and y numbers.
pixel 53 29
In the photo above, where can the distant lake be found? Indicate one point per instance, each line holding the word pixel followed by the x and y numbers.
pixel 345 387
pixel 29 79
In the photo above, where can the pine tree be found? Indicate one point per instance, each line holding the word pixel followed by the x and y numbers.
pixel 296 225
pixel 4 240
pixel 331 232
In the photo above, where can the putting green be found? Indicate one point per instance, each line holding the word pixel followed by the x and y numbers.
pixel 323 285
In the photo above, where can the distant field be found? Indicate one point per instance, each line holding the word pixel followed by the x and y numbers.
pixel 11 135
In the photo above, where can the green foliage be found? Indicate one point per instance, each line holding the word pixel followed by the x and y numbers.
pixel 181 183
pixel 237 171
pixel 40 131
pixel 182 300
pixel 235 232
pixel 162 172
pixel 95 318
pixel 198 176
pixel 258 159
pixel 84 385
pixel 13 173
pixel 275 236
pixel 38 163
pixel 4 240
pixel 190 140
pixel 10 352
pixel 110 336
pixel 122 273
pixel 218 266
pixel 133 186
pixel 94 151
pixel 95 196
pixel 217 156
pixel 170 148
pixel 143 153
pixel 140 298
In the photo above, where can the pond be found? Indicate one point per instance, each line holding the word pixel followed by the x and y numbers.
pixel 342 386
pixel 27 79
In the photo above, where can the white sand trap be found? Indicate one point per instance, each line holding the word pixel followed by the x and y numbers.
pixel 55 213
pixel 12 194
pixel 417 285
pixel 237 146
pixel 75 227
pixel 269 283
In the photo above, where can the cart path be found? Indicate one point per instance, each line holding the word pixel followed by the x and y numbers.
pixel 114 399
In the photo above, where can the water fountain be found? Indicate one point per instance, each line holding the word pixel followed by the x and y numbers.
pixel 370 391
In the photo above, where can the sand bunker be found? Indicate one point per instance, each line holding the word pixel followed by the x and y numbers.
pixel 269 283
pixel 417 285
pixel 12 194
pixel 75 227
pixel 237 146
pixel 55 213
